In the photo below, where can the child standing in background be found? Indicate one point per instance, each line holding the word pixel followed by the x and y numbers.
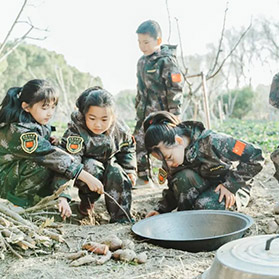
pixel 274 101
pixel 204 169
pixel 159 87
pixel 28 157
pixel 107 150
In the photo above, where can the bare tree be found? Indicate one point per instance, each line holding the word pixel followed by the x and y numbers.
pixel 7 48
pixel 217 63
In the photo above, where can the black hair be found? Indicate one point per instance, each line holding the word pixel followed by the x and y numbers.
pixel 32 92
pixel 94 96
pixel 150 27
pixel 161 126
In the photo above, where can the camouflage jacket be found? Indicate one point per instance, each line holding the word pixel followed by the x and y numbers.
pixel 274 92
pixel 160 83
pixel 215 156
pixel 21 142
pixel 118 143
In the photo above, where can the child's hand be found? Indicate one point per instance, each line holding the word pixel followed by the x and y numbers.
pixel 152 213
pixel 224 192
pixel 64 208
pixel 95 185
pixel 54 140
pixel 133 178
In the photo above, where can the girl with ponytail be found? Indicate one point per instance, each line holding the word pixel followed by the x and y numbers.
pixel 204 169
pixel 28 155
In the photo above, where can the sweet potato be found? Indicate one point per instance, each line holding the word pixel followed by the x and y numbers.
pixel 95 247
pixel 84 260
pixel 74 256
pixel 104 258
pixel 125 255
pixel 141 258
pixel 128 244
pixel 114 243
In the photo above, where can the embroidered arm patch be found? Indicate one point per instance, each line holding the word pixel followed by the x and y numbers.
pixel 176 77
pixel 162 176
pixel 239 147
pixel 74 144
pixel 29 142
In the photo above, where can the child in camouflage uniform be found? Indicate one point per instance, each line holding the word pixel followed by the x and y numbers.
pixel 106 148
pixel 274 101
pixel 159 87
pixel 204 169
pixel 28 157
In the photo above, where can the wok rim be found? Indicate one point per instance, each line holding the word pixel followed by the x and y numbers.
pixel 249 222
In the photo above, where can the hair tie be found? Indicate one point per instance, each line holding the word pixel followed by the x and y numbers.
pixel 168 123
pixel 19 93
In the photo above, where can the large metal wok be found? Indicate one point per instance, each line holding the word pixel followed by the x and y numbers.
pixel 193 230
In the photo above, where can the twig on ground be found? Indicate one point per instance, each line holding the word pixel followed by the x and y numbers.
pixel 108 195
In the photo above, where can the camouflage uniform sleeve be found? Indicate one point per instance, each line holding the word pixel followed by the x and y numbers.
pixel 31 146
pixel 127 155
pixel 227 149
pixel 274 92
pixel 167 203
pixel 140 85
pixel 174 83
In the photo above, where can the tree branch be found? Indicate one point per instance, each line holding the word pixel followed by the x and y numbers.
pixel 12 27
pixel 230 53
pixel 169 20
pixel 220 41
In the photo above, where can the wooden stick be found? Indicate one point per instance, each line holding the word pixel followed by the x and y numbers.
pixel 15 216
pixel 206 106
pixel 108 195
pixel 11 248
pixel 49 200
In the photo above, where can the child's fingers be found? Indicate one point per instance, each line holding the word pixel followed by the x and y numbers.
pixel 68 212
pixel 59 206
pixel 152 213
pixel 232 202
pixel 100 190
pixel 221 197
pixel 228 201
pixel 217 189
pixel 133 179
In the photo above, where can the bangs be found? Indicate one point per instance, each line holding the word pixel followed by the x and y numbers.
pixel 159 133
pixel 47 95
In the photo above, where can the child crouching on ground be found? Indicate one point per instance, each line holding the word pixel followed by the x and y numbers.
pixel 200 164
pixel 107 150
pixel 28 157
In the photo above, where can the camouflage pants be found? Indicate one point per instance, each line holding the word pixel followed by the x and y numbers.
pixel 191 191
pixel 25 183
pixel 142 159
pixel 116 184
pixel 275 159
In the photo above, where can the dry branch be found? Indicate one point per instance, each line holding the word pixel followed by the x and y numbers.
pixel 15 230
pixel 49 200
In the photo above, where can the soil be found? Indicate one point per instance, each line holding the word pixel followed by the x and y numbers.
pixel 161 262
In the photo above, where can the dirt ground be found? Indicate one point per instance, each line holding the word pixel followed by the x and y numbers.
pixel 161 263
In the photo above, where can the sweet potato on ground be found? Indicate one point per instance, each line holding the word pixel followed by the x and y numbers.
pixel 95 247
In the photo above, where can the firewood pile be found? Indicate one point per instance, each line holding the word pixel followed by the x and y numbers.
pixel 25 231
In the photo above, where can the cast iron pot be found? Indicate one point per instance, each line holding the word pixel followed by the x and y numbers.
pixel 193 230
pixel 254 257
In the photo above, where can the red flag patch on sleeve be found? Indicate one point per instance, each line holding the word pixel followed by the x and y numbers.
pixel 176 77
pixel 239 147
